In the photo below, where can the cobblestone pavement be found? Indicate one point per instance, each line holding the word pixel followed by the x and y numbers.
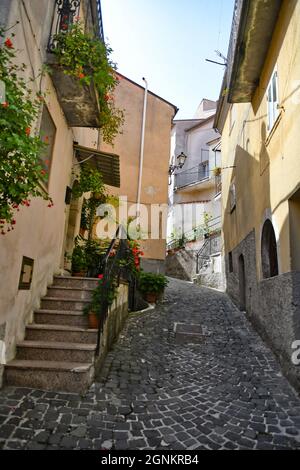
pixel 225 392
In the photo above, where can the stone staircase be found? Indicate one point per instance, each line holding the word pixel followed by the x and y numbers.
pixel 58 352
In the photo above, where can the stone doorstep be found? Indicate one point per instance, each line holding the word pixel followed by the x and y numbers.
pixel 74 377
pixel 41 326
pixel 59 333
pixel 58 345
pixel 56 351
pixel 61 317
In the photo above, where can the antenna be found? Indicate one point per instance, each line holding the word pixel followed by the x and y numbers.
pixel 224 64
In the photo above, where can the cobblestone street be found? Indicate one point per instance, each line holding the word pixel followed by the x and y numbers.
pixel 156 392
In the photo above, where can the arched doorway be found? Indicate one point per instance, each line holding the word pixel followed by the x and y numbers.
pixel 242 283
pixel 269 257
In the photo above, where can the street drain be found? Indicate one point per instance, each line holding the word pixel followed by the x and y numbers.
pixel 188 333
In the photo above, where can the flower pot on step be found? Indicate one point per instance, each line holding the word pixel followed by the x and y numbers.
pixel 151 297
pixel 79 274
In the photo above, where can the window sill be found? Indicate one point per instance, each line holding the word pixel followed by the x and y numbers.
pixel 274 127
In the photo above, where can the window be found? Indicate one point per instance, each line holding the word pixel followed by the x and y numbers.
pixel 47 134
pixel 232 196
pixel 269 251
pixel 232 117
pixel 272 100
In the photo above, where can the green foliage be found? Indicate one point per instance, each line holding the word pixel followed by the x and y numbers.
pixel 79 262
pixel 151 282
pixel 86 254
pixel 86 57
pixel 20 170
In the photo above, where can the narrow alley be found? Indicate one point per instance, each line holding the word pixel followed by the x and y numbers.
pixel 219 388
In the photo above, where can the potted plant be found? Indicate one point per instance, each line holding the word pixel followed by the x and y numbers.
pixel 86 58
pixel 79 264
pixel 100 295
pixel 152 285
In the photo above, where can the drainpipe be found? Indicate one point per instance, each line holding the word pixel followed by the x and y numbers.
pixel 142 150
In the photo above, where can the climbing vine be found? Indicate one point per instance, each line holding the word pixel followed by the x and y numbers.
pixel 20 170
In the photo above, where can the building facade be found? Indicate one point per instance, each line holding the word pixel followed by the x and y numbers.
pixel 35 251
pixel 258 116
pixel 194 189
pixel 147 165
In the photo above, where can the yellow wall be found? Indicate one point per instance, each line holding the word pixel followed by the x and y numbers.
pixel 130 97
pixel 267 166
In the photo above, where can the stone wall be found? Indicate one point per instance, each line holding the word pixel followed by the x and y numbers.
pixel 181 265
pixel 114 323
pixel 272 305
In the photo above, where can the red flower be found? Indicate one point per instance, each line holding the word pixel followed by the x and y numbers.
pixel 8 43
pixel 100 276
pixel 47 139
pixel 43 172
pixel 64 26
pixel 27 131
pixel 13 222
pixel 5 104
pixel 81 75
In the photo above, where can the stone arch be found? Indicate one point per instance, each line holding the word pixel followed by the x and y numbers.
pixel 269 258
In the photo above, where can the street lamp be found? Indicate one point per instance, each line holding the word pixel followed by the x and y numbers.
pixel 180 162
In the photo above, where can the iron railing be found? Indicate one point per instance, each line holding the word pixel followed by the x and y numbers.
pixel 65 13
pixel 192 175
pixel 197 233
pixel 212 245
pixel 113 271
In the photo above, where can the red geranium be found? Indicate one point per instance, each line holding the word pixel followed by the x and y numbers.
pixel 8 43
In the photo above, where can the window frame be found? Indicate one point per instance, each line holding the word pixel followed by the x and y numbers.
pixel 273 111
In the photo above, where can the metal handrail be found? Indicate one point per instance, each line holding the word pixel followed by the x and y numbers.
pixel 207 250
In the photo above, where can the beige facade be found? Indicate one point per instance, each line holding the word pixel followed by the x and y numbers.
pixel 154 186
pixel 259 118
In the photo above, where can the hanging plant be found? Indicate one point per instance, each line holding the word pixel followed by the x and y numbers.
pixel 20 170
pixel 217 171
pixel 86 58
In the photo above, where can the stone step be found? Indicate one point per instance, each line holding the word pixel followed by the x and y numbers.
pixel 70 293
pixel 50 351
pixel 56 303
pixel 60 333
pixel 72 377
pixel 75 282
pixel 61 317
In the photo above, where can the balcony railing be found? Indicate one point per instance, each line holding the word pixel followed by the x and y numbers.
pixel 192 175
pixel 65 13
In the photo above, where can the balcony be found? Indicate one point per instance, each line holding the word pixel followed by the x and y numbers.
pixel 79 102
pixel 251 33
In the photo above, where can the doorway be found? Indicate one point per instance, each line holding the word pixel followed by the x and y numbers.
pixel 242 283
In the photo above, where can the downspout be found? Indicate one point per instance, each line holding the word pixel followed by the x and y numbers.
pixel 142 150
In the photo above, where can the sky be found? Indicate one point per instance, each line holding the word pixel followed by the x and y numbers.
pixel 167 42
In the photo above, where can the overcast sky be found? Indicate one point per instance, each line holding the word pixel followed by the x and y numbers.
pixel 167 41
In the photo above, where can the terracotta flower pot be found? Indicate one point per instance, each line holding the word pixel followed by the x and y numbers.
pixel 151 297
pixel 79 274
pixel 94 321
